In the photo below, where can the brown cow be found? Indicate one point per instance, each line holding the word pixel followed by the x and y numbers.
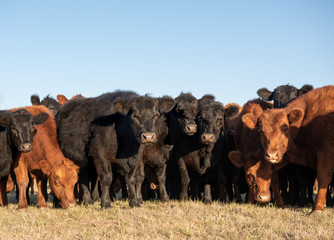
pixel 260 174
pixel 304 130
pixel 45 160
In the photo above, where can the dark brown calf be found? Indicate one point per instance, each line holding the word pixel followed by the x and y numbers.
pixel 304 130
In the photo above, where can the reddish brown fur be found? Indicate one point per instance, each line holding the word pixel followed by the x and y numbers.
pixel 249 154
pixel 304 130
pixel 62 99
pixel 46 159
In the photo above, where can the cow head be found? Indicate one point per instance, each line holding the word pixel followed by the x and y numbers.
pixel 21 126
pixel 211 118
pixel 147 115
pixel 62 179
pixel 283 94
pixel 258 174
pixel 52 104
pixel 186 110
pixel 276 126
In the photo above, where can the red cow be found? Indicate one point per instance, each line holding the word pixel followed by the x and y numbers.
pixel 45 160
pixel 304 130
pixel 260 174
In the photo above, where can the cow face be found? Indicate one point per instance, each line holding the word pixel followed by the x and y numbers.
pixel 62 179
pixel 21 125
pixel 283 94
pixel 186 110
pixel 148 116
pixel 275 128
pixel 258 174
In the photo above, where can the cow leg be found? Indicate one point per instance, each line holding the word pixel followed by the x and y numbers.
pixel 275 187
pixel 184 179
pixel 105 177
pixel 161 177
pixel 3 192
pixel 84 193
pixel 140 176
pixel 324 175
pixel 131 183
pixel 95 193
pixel 22 180
pixel 41 201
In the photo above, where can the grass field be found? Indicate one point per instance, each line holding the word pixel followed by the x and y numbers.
pixel 172 220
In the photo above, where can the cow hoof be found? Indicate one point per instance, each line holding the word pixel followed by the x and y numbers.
pixel 207 201
pixel 165 199
pixel 134 203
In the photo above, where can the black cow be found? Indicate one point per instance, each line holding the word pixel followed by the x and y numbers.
pixel 74 132
pixel 181 122
pixel 129 139
pixel 299 178
pixel 109 134
pixel 52 104
pixel 196 152
pixel 283 94
pixel 16 135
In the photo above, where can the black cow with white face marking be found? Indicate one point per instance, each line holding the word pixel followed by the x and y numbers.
pixel 17 130
pixel 283 94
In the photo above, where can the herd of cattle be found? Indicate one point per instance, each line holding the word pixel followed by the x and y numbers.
pixel 274 148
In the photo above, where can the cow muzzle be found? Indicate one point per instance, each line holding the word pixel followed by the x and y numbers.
pixel 25 147
pixel 148 137
pixel 272 157
pixel 190 129
pixel 263 197
pixel 208 138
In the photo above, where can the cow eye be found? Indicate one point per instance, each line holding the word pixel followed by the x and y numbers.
pixel 284 128
pixel 219 121
pixel 156 116
pixel 33 130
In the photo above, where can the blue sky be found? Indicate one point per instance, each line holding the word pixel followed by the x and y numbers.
pixel 226 48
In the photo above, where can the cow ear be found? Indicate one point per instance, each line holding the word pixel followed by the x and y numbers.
pixel 122 106
pixel 265 94
pixel 295 115
pixel 4 119
pixel 35 100
pixel 304 89
pixel 67 162
pixel 231 111
pixel 45 167
pixel 236 158
pixel 40 118
pixel 62 99
pixel 249 120
pixel 166 104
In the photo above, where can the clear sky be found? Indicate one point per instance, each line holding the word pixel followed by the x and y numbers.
pixel 226 48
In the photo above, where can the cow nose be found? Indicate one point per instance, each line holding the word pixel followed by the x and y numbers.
pixel 208 137
pixel 191 128
pixel 26 147
pixel 272 157
pixel 148 137
pixel 71 205
pixel 263 197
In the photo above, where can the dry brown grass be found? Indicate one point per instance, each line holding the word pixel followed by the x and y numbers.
pixel 173 220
